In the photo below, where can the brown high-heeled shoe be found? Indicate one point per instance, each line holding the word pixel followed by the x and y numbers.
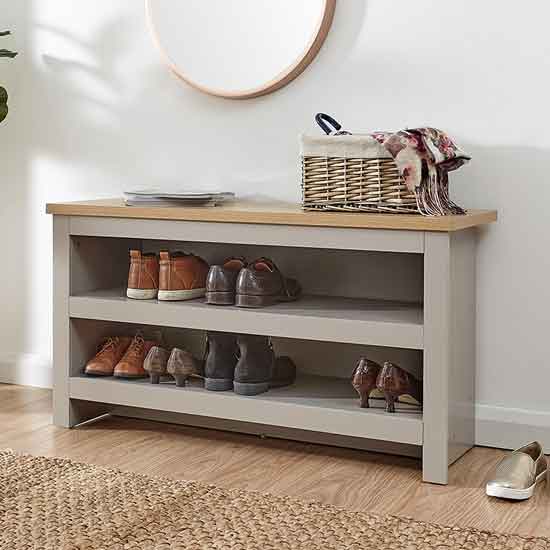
pixel 395 382
pixel 364 380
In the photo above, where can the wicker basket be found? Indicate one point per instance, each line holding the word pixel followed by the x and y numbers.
pixel 352 173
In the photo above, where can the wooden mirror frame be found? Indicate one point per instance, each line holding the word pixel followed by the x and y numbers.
pixel 282 79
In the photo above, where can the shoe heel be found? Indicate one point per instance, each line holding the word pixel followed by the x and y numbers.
pixel 155 378
pixel 180 380
pixel 220 298
pixel 250 388
pixel 218 384
pixel 364 397
pixel 249 300
pixel 391 398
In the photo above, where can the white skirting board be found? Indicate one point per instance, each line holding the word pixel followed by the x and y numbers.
pixel 507 428
pixel 498 427
pixel 26 369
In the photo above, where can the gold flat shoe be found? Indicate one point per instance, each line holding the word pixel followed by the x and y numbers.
pixel 517 474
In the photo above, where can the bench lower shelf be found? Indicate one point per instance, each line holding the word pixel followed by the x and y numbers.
pixel 313 403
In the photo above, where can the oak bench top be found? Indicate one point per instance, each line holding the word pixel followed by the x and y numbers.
pixel 272 212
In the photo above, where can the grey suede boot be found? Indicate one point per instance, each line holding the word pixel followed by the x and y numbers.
pixel 258 369
pixel 221 358
pixel 255 366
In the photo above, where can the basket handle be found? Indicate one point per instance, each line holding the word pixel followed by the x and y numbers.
pixel 326 121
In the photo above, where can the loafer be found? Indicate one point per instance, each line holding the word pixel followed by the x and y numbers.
pixel 517 475
pixel 262 284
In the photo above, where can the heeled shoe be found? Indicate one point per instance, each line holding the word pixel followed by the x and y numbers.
pixel 364 381
pixel 396 383
pixel 155 363
pixel 182 365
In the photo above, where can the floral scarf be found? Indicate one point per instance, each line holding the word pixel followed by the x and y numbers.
pixel 424 157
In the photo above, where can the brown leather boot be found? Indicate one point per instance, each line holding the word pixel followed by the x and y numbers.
pixel 182 276
pixel 364 380
pixel 222 280
pixel 109 354
pixel 143 277
pixel 131 364
pixel 396 383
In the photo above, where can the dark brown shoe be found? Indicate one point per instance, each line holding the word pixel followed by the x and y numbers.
pixel 222 280
pixel 396 383
pixel 262 284
pixel 364 380
pixel 109 354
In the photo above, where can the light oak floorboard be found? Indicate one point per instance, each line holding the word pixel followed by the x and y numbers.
pixel 351 479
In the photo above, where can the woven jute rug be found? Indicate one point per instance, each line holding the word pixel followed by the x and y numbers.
pixel 57 504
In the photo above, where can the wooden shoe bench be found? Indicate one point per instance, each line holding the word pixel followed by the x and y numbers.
pixel 391 287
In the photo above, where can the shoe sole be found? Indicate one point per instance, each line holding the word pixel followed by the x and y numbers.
pixel 514 494
pixel 249 300
pixel 218 384
pixel 220 298
pixel 142 293
pixel 252 300
pixel 97 373
pixel 250 388
pixel 177 295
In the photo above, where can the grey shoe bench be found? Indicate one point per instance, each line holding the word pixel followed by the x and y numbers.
pixel 392 287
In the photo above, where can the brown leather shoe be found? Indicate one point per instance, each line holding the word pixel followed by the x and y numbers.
pixel 182 276
pixel 396 383
pixel 109 354
pixel 131 364
pixel 143 277
pixel 262 284
pixel 182 365
pixel 364 380
pixel 222 280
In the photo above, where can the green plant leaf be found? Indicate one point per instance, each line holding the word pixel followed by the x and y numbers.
pixel 7 53
pixel 3 103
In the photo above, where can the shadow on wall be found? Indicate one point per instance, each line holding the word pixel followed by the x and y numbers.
pixel 122 115
pixel 513 293
pixel 94 113
pixel 14 193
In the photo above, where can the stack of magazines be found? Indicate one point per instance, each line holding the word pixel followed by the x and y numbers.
pixel 158 197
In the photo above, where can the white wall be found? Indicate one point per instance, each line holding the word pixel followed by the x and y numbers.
pixel 94 111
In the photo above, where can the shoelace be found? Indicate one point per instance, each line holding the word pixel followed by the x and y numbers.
pixel 136 347
pixel 109 344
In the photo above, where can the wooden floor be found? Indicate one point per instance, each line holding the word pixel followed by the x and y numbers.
pixel 350 479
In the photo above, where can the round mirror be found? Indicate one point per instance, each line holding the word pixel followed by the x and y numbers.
pixel 239 48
